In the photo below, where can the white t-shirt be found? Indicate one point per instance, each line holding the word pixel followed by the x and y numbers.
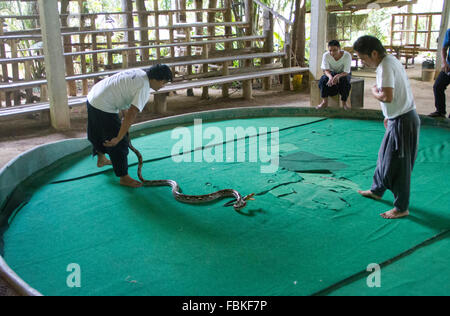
pixel 391 74
pixel 119 92
pixel 344 64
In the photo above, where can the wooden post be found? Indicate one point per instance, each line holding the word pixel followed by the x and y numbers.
pixel 54 61
pixel 68 49
pixel 15 71
pixel 187 32
pixel 157 35
pixel 288 59
pixel 143 22
pixel 247 85
pixel 94 47
pixel 228 47
pixel 110 60
pixel 82 48
pixel 317 46
pixel 127 6
pixel 172 40
pixel 268 45
pixel 4 66
pixel 28 77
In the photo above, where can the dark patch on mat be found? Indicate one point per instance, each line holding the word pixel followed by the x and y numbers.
pixel 304 162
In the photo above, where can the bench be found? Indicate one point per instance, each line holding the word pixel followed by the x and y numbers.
pixel 160 97
pixel 406 51
pixel 356 95
pixel 8 87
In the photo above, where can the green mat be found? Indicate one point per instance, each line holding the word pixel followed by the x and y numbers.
pixel 306 233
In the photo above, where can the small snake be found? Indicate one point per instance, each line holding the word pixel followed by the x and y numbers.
pixel 239 203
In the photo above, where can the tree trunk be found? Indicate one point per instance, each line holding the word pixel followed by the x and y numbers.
pixel 299 38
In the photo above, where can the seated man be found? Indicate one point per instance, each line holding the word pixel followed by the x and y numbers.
pixel 336 64
pixel 443 80
pixel 127 91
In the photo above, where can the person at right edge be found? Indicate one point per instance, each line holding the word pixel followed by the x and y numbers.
pixel 443 80
pixel 398 150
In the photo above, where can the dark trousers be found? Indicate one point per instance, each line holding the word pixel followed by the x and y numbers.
pixel 396 159
pixel 441 83
pixel 342 88
pixel 104 126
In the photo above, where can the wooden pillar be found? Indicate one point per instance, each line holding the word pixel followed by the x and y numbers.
pixel 127 6
pixel 82 47
pixel 94 47
pixel 172 40
pixel 288 58
pixel 317 46
pixel 109 60
pixel 205 53
pixel 143 22
pixel 55 65
pixel 268 44
pixel 228 47
pixel 157 35
pixel 247 85
pixel 68 49
pixel 445 25
pixel 209 48
pixel 15 70
pixel 28 77
pixel 4 66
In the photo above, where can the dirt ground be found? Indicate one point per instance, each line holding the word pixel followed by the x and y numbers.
pixel 20 136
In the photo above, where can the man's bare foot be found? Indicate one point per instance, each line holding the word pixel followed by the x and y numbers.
pixel 103 161
pixel 369 194
pixel 130 182
pixel 394 214
pixel 322 105
pixel 346 106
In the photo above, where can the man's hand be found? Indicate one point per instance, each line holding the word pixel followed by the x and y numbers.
pixel 386 123
pixel 335 80
pixel 112 143
pixel 445 67
pixel 375 90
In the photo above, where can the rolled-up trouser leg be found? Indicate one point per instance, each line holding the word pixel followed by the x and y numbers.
pixel 104 126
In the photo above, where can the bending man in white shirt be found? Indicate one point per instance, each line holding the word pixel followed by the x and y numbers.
pixel 398 150
pixel 336 65
pixel 127 91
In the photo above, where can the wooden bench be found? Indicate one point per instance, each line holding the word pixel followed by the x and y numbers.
pixel 7 87
pixel 405 51
pixel 409 52
pixel 160 105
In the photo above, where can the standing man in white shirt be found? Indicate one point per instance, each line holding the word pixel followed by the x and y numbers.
pixel 127 91
pixel 398 151
pixel 336 65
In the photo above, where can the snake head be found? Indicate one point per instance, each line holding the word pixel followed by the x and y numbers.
pixel 239 205
pixel 249 197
